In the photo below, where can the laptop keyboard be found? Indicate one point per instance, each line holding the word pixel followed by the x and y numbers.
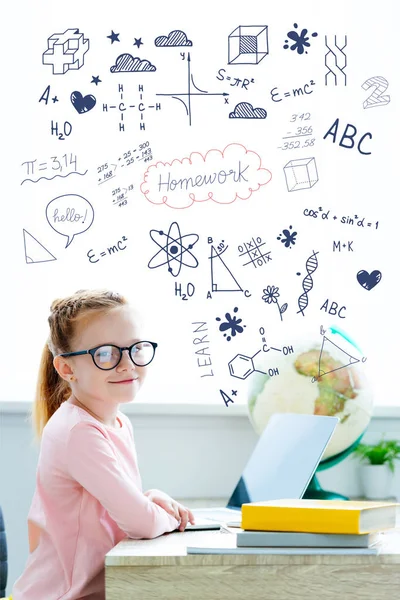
pixel 217 514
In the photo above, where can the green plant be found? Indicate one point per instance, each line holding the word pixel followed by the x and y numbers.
pixel 385 451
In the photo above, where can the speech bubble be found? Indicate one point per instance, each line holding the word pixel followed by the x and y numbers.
pixel 69 215
pixel 222 176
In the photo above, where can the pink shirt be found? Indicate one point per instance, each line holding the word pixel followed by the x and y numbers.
pixel 88 497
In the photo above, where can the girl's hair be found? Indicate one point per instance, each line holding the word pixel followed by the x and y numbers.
pixel 66 314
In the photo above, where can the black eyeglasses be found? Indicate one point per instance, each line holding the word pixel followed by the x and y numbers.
pixel 108 356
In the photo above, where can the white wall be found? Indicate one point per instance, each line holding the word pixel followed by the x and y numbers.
pixel 188 456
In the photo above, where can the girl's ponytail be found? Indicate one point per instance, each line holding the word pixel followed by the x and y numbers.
pixel 66 313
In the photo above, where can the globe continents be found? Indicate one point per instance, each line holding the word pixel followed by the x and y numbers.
pixel 323 376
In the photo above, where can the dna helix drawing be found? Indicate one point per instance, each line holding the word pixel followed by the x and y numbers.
pixel 307 283
pixel 335 60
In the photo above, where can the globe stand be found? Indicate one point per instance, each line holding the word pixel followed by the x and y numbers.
pixel 314 490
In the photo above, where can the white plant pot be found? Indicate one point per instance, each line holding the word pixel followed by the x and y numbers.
pixel 376 481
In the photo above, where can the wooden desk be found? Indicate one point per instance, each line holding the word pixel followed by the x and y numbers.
pixel 161 568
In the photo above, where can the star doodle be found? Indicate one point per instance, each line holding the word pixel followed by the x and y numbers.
pixel 96 79
pixel 138 42
pixel 114 37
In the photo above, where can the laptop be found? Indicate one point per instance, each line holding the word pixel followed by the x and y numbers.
pixel 280 466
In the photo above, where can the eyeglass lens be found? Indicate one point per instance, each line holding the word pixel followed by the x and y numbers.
pixel 106 357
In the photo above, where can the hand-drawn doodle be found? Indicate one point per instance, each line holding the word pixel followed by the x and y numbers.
pixel 114 37
pixel 231 323
pixel 176 247
pixel 245 110
pixel 126 63
pixel 221 176
pixel 227 400
pixel 300 174
pixel 368 280
pixel 335 61
pixel 326 346
pixel 111 250
pixel 375 98
pixel 122 107
pixel 188 95
pixel 96 79
pixel 346 220
pixel 236 80
pixel 252 250
pixel 300 40
pixel 333 131
pixel 82 104
pixel 241 366
pixel 248 45
pixel 55 165
pixel 222 278
pixel 138 42
pixel 66 129
pixel 63 216
pixel 45 96
pixel 294 92
pixel 285 349
pixel 307 284
pixel 35 252
pixel 120 195
pixel 271 295
pixel 65 51
pixel 287 237
pixel 174 39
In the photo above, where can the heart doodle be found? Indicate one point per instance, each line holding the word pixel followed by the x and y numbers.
pixel 368 280
pixel 82 104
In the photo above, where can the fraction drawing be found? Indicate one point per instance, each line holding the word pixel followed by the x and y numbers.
pixel 176 248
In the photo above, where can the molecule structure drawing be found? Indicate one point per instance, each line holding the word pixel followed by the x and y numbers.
pixel 175 249
pixel 241 366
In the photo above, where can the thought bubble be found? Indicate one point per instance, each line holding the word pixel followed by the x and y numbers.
pixel 69 215
pixel 222 176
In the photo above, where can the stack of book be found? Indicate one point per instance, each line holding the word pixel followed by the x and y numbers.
pixel 297 526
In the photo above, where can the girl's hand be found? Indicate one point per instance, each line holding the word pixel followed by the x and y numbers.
pixel 177 510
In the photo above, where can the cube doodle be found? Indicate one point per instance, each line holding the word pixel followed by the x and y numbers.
pixel 65 51
pixel 300 174
pixel 248 45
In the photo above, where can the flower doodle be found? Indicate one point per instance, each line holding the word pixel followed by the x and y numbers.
pixel 271 295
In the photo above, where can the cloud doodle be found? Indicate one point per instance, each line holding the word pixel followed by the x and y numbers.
pixel 126 63
pixel 222 176
pixel 245 110
pixel 173 39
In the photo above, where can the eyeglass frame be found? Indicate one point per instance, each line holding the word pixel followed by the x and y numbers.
pixel 92 352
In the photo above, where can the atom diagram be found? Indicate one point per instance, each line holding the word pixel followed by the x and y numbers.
pixel 175 247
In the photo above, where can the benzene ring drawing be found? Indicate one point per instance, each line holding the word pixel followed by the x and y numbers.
pixel 176 247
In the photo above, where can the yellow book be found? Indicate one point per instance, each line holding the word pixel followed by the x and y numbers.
pixel 319 516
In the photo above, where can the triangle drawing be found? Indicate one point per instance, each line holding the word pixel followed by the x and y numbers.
pixel 35 252
pixel 222 279
pixel 351 360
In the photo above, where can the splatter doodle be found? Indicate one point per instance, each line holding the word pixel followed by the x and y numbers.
pixel 288 238
pixel 231 323
pixel 311 266
pixel 300 40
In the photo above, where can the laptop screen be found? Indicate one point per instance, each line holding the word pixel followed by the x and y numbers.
pixel 284 459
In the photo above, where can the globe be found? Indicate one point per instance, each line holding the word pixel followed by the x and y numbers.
pixel 322 376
